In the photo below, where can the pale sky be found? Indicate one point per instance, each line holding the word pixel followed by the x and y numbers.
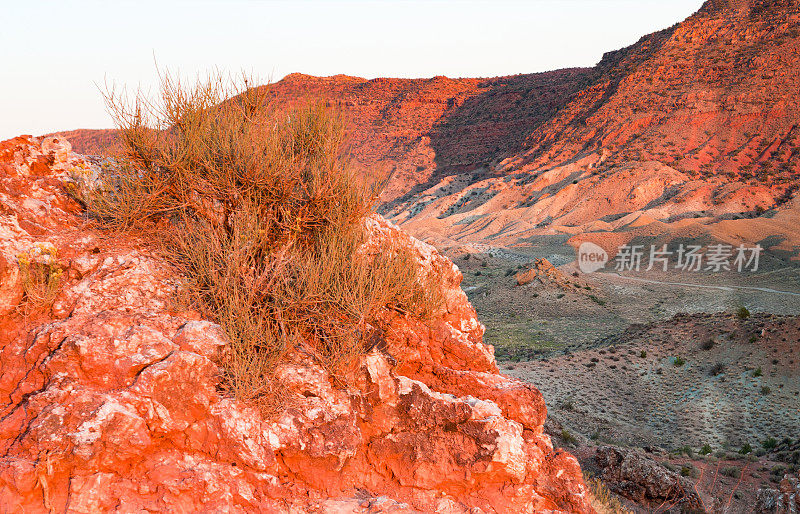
pixel 56 53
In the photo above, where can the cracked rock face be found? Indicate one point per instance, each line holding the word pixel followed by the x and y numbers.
pixel 784 500
pixel 639 478
pixel 110 400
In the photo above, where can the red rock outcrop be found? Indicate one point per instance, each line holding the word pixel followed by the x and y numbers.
pixel 542 272
pixel 639 478
pixel 784 500
pixel 109 399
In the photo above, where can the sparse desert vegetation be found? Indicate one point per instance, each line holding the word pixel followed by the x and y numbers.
pixel 625 388
pixel 603 500
pixel 263 218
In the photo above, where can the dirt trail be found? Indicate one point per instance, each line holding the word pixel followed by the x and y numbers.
pixel 728 288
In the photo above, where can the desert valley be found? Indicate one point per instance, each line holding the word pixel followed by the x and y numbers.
pixel 503 369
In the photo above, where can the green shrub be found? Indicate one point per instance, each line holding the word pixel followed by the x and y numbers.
pixel 261 214
pixel 769 443
pixel 757 372
pixel 678 361
pixel 684 450
pixel 705 450
pixel 742 312
pixel 745 449
pixel 643 354
pixel 670 466
pixel 731 471
pixel 568 438
pixel 777 471
pixel 597 300
pixel 708 344
pixel 765 390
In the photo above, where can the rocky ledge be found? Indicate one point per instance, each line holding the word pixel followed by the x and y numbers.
pixel 110 399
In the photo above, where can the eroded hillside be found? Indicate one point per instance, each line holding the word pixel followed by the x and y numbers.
pixel 691 126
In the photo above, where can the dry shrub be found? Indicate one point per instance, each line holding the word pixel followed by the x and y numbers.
pixel 263 217
pixel 41 276
pixel 602 499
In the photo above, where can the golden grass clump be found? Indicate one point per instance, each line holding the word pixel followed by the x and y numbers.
pixel 41 276
pixel 602 499
pixel 263 217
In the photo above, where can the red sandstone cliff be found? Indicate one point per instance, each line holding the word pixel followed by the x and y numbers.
pixel 109 399
pixel 692 131
pixel 691 127
pixel 413 128
pixel 710 96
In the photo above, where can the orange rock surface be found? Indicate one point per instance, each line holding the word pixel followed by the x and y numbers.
pixel 110 399
pixel 691 125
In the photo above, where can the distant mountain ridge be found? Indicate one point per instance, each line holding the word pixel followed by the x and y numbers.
pixel 690 127
pixel 419 129
pixel 698 96
pixel 412 127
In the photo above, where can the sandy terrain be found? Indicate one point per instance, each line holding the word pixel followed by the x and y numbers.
pixel 636 391
pixel 652 359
